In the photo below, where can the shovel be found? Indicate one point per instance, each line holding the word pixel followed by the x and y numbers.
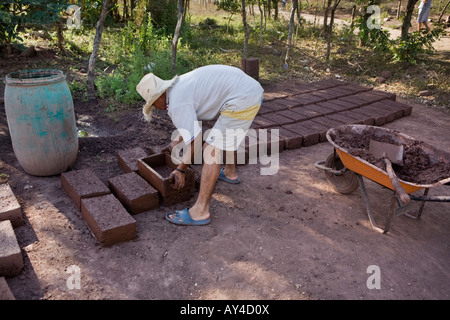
pixel 390 153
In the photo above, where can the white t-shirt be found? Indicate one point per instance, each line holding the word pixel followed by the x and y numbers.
pixel 202 93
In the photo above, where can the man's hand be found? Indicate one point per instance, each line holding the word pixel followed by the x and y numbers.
pixel 178 178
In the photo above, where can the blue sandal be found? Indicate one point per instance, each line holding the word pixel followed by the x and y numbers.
pixel 223 178
pixel 183 218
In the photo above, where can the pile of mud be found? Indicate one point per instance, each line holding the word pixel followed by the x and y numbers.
pixel 419 167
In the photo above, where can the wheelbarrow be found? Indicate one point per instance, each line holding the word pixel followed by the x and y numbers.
pixel 345 172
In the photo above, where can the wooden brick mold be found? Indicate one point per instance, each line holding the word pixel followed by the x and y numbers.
pixel 156 169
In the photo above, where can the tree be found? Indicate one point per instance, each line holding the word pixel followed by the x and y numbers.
pixel 407 20
pixel 90 87
pixel 177 35
pixel 230 6
pixel 330 29
pixel 16 13
pixel 246 29
pixel 443 10
pixel 291 28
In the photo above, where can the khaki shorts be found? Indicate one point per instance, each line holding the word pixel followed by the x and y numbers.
pixel 231 127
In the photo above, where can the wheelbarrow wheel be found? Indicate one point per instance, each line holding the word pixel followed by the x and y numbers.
pixel 344 183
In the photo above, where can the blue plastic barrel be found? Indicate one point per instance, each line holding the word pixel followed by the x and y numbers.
pixel 41 121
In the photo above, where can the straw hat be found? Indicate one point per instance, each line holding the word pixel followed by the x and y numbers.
pixel 151 88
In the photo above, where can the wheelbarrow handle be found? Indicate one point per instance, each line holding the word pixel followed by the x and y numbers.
pixel 403 196
pixel 321 165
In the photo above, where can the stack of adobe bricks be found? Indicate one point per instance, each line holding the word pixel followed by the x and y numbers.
pixel 11 260
pixel 304 113
pixel 108 210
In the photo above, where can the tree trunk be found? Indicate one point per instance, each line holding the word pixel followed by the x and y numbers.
pixel 60 36
pixel 407 20
pixel 261 22
pixel 330 29
pixel 247 31
pixel 399 9
pixel 352 23
pixel 291 29
pixel 325 16
pixel 90 87
pixel 176 36
pixel 443 10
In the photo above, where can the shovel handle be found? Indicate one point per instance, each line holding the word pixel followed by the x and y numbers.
pixel 404 197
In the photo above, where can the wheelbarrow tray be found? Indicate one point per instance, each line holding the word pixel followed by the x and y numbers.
pixel 374 173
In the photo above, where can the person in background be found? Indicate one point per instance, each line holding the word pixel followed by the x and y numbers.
pixel 424 13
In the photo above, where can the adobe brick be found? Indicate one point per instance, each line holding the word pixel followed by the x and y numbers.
pixel 263 122
pixel 276 105
pixel 312 132
pixel 328 83
pixel 397 112
pixel 301 100
pixel 264 110
pixel 135 194
pixel 356 100
pixel 344 118
pixel 278 119
pixel 385 94
pixel 356 88
pixel 10 208
pixel 320 109
pixel 108 220
pixel 328 122
pixel 5 292
pixel 11 260
pixel 334 93
pixel 347 104
pixel 80 184
pixel 330 104
pixel 269 96
pixel 286 103
pixel 395 105
pixel 307 113
pixel 295 116
pixel 127 159
pixel 389 114
pixel 360 117
pixel 379 117
pixel 291 139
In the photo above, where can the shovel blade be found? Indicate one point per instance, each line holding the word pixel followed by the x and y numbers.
pixel 391 151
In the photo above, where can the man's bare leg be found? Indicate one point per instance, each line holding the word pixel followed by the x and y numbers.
pixel 210 174
pixel 230 167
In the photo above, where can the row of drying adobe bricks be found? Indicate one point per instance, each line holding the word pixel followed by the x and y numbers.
pixel 108 210
pixel 294 135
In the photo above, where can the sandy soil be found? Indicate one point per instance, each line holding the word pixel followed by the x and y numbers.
pixel 287 236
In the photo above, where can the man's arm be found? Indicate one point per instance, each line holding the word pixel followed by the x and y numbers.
pixel 193 148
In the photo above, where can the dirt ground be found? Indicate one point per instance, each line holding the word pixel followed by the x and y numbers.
pixel 286 236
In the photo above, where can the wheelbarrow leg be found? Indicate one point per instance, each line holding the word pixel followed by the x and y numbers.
pixel 366 201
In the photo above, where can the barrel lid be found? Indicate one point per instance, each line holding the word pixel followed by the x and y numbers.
pixel 34 77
